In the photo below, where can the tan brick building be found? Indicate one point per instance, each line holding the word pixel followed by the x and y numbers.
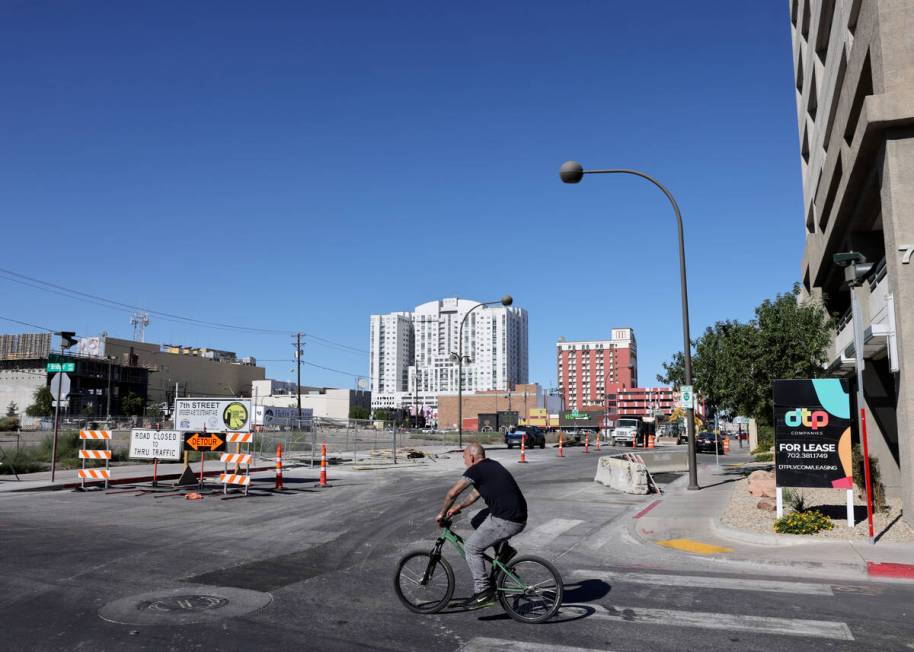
pixel 522 400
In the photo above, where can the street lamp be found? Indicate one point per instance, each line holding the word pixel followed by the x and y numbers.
pixel 505 301
pixel 573 172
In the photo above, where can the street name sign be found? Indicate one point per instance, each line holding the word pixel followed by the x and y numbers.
pixel 686 397
pixel 156 444
pixel 61 366
pixel 204 441
pixel 213 414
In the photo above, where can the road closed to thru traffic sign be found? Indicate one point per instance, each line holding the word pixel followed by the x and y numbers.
pixel 156 444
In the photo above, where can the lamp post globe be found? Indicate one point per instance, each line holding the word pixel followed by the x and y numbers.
pixel 507 300
pixel 571 172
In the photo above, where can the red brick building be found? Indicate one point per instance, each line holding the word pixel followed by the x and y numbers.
pixel 641 401
pixel 589 372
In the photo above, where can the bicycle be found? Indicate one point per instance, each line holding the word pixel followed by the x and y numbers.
pixel 528 588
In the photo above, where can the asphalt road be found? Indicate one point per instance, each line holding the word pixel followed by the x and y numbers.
pixel 313 569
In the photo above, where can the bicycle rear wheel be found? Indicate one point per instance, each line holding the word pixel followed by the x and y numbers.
pixel 424 584
pixel 532 590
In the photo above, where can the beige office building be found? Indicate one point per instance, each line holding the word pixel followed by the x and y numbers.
pixel 196 371
pixel 854 71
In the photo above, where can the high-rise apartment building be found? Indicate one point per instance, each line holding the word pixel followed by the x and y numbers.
pixel 589 371
pixel 413 354
pixel 854 75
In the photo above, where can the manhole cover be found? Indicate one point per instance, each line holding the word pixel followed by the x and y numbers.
pixel 180 607
pixel 185 603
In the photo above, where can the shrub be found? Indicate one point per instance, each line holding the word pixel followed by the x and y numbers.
pixel 808 522
pixel 9 423
pixel 795 500
pixel 765 437
pixel 767 456
pixel 879 504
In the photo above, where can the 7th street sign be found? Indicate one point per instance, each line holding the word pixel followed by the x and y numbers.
pixel 203 441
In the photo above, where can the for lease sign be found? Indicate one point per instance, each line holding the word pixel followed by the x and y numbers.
pixel 161 444
pixel 812 434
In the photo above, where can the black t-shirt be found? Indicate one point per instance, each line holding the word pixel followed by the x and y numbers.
pixel 499 489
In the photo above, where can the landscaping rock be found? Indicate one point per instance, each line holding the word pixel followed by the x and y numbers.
pixel 768 505
pixel 761 483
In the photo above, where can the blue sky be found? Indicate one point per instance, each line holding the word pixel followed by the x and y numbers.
pixel 299 166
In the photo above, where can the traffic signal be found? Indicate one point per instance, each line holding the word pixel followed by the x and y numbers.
pixel 67 339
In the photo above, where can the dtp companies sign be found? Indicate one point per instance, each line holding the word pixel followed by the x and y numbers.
pixel 812 434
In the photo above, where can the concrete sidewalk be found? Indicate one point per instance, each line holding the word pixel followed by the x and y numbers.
pixel 689 522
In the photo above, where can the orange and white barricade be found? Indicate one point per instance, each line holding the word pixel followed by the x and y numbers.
pixel 240 461
pixel 95 474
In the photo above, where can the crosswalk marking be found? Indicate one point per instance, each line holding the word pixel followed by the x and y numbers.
pixel 759 624
pixel 485 644
pixel 543 534
pixel 692 581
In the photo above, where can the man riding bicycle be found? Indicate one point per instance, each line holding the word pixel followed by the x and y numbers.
pixel 505 514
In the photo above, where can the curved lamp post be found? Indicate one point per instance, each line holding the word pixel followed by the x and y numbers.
pixel 505 301
pixel 573 172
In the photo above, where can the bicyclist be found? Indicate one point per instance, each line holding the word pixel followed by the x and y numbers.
pixel 505 514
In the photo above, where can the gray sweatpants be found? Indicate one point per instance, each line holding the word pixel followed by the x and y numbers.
pixel 490 531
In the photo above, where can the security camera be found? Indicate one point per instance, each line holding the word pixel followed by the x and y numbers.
pixel 848 258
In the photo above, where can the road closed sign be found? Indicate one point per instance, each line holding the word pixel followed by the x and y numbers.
pixel 213 414
pixel 156 444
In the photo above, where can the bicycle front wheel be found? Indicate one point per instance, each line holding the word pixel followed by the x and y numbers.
pixel 531 591
pixel 424 583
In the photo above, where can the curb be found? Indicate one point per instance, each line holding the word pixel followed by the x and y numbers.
pixel 120 481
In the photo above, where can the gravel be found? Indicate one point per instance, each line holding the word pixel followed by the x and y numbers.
pixel 743 514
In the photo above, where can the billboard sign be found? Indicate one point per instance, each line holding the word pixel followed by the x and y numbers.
pixel 812 434
pixel 213 414
pixel 575 419
pixel 271 415
pixel 156 444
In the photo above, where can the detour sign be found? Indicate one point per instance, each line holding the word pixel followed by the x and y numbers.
pixel 203 441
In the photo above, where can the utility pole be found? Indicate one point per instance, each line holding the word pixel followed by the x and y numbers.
pixel 298 353
pixel 108 395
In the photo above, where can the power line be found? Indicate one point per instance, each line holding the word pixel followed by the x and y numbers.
pixel 25 323
pixel 60 290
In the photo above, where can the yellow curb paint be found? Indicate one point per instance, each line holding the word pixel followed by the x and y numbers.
pixel 695 547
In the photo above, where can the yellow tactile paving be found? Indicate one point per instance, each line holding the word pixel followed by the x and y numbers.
pixel 695 547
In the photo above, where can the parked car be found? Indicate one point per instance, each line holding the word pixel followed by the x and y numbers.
pixel 705 442
pixel 535 436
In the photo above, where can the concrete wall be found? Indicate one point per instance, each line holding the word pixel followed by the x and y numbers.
pixel 18 386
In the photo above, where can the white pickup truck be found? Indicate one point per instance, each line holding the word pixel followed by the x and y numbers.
pixel 626 431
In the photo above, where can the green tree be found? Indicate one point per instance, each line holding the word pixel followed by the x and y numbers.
pixel 43 403
pixel 12 409
pixel 132 405
pixel 359 412
pixel 735 364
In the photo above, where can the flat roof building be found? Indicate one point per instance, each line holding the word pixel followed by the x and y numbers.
pixel 854 75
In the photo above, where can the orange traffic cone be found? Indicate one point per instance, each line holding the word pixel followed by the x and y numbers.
pixel 324 464
pixel 523 450
pixel 726 445
pixel 278 486
pixel 587 443
pixel 561 444
pixel 650 441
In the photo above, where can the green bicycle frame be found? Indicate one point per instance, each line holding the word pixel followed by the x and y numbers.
pixel 457 541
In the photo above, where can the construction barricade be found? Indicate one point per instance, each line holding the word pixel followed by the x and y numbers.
pixel 240 474
pixel 95 474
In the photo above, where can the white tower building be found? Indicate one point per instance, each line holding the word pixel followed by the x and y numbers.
pixel 413 355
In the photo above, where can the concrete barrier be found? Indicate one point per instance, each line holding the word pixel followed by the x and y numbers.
pixel 665 460
pixel 623 475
